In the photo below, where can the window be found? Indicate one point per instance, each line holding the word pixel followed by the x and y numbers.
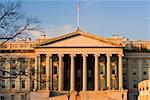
pixel 12 97
pixel 144 73
pixel 135 97
pixel 22 70
pixel 101 70
pixel 13 61
pixel 124 73
pixel 32 85
pixel 113 71
pixel 68 74
pixel 43 69
pixel 2 98
pixel 32 60
pixel 13 70
pixel 90 73
pixel 12 83
pixel 43 85
pixel 22 97
pixel 3 83
pixel 23 83
pixel 134 86
pixel 134 73
pixel 32 71
pixel 43 58
pixel 55 70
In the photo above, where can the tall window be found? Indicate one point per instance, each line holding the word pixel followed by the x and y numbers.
pixel 22 70
pixel 23 84
pixel 3 83
pixel 12 83
pixel 55 69
pixel 43 69
pixel 113 69
pixel 101 70
pixel 12 97
pixel 32 70
pixel 32 85
pixel 2 98
pixel 13 70
pixel 22 97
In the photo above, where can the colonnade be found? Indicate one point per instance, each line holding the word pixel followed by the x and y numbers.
pixel 84 73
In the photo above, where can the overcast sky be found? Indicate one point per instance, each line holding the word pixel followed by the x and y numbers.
pixel 128 18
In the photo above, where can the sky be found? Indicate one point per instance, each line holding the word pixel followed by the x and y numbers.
pixel 127 18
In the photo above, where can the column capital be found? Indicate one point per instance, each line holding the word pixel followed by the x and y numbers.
pixel 72 55
pixel 96 54
pixel 84 55
pixel 108 54
pixel 60 55
pixel 120 55
pixel 48 55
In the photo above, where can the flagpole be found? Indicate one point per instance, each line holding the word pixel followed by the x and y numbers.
pixel 78 16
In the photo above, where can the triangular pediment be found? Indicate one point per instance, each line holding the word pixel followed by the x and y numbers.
pixel 78 39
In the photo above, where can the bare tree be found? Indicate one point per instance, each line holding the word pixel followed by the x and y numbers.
pixel 14 23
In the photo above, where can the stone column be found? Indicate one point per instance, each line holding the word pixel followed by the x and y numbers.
pixel 120 72
pixel 60 73
pixel 84 72
pixel 51 72
pixel 47 72
pixel 96 75
pixel 72 73
pixel 108 71
pixel 39 73
pixel 140 69
pixel 36 73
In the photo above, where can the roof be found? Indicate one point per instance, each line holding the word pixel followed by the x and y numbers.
pixel 80 32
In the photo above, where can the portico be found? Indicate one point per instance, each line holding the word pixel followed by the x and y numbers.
pixel 79 61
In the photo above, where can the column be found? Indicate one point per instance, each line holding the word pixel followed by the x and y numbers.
pixel 84 73
pixel 51 72
pixel 140 69
pixel 72 73
pixel 120 72
pixel 36 73
pixel 47 71
pixel 39 73
pixel 60 75
pixel 96 73
pixel 108 71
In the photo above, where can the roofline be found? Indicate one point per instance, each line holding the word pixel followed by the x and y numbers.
pixel 75 33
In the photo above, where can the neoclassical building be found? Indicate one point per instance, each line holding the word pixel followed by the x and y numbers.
pixel 144 90
pixel 75 65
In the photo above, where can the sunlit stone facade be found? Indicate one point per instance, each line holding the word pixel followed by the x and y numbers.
pixel 74 62
pixel 144 90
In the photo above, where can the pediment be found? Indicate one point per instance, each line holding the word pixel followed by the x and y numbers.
pixel 78 40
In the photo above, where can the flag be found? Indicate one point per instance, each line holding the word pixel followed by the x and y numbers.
pixel 78 7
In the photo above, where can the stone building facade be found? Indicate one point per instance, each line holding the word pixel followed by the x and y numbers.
pixel 136 66
pixel 78 62
pixel 144 90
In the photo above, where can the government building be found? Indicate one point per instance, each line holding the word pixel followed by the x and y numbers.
pixel 74 66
